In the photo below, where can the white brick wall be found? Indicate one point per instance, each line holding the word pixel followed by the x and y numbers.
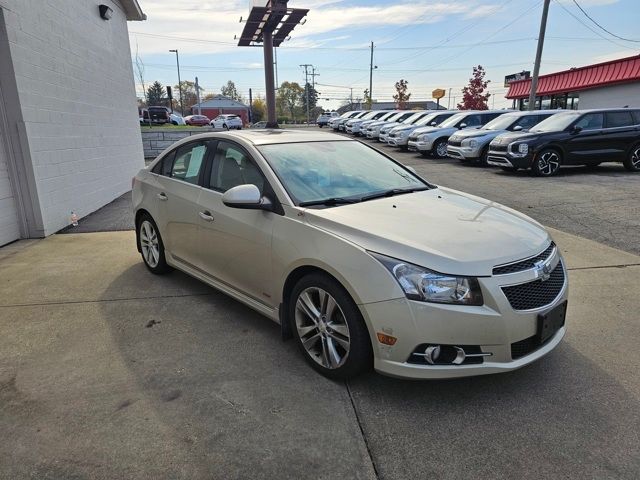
pixel 611 97
pixel 76 90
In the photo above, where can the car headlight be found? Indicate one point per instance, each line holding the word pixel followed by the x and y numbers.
pixel 473 143
pixel 520 148
pixel 401 133
pixel 424 138
pixel 422 284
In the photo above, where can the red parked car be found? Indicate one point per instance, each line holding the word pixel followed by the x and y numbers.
pixel 196 120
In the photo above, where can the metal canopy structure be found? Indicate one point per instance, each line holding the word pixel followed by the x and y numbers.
pixel 270 25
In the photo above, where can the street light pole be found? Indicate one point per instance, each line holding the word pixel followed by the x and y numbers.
pixel 371 78
pixel 179 82
pixel 536 66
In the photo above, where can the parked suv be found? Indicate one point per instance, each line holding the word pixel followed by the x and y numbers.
pixel 383 136
pixel 373 129
pixel 399 135
pixel 354 125
pixel 227 121
pixel 473 144
pixel 324 118
pixel 159 114
pixel 338 123
pixel 586 137
pixel 433 140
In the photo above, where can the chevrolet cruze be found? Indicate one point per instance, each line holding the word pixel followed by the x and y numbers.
pixel 360 260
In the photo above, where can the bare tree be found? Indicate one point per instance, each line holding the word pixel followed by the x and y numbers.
pixel 140 73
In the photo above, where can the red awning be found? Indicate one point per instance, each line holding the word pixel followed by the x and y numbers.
pixel 575 79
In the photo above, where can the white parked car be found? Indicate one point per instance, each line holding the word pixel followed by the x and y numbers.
pixel 227 121
pixel 433 140
pixel 354 125
pixel 176 119
pixel 384 131
pixel 373 129
pixel 398 136
pixel 364 263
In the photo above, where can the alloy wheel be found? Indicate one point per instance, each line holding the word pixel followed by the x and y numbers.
pixel 149 244
pixel 441 149
pixel 548 163
pixel 635 159
pixel 322 328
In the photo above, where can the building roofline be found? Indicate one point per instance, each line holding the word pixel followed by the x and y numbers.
pixel 133 10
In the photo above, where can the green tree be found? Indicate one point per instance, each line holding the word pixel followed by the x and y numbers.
pixel 230 90
pixel 189 97
pixel 473 95
pixel 258 110
pixel 401 97
pixel 312 96
pixel 367 98
pixel 156 94
pixel 289 98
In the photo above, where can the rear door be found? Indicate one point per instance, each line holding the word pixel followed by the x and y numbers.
pixel 588 145
pixel 619 134
pixel 177 197
pixel 236 243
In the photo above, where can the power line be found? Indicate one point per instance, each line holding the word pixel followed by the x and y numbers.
pixel 601 27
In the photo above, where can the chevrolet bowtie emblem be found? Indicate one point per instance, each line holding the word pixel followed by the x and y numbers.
pixel 543 270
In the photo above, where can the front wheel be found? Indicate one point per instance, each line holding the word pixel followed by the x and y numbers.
pixel 632 162
pixel 225 126
pixel 151 246
pixel 329 328
pixel 440 149
pixel 547 163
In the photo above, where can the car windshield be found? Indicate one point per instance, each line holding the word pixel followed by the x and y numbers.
pixel 557 122
pixel 502 122
pixel 426 120
pixel 451 121
pixel 369 115
pixel 335 172
pixel 413 118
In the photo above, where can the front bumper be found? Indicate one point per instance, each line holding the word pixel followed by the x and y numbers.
pixel 506 159
pixel 398 141
pixel 464 153
pixel 384 137
pixel 373 133
pixel 494 328
pixel 420 145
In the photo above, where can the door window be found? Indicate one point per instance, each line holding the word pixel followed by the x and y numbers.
pixel 619 119
pixel 188 162
pixel 529 121
pixel 472 121
pixel 591 121
pixel 232 167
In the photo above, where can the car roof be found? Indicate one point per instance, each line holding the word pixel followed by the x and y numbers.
pixel 273 136
pixel 604 110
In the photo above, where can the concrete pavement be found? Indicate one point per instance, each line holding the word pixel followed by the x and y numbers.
pixel 107 371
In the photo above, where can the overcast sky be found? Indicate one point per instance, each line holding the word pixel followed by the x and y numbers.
pixel 432 44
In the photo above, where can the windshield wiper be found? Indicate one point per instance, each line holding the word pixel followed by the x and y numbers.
pixel 392 192
pixel 329 201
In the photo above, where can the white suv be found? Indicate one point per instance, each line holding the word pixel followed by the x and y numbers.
pixel 227 121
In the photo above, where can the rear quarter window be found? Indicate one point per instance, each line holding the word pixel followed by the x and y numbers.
pixel 619 119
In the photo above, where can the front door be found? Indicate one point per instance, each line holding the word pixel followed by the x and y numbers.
pixel 236 243
pixel 587 146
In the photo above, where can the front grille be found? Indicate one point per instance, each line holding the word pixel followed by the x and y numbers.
pixel 393 135
pixel 455 143
pixel 536 294
pixel 524 347
pixel 498 148
pixel 413 138
pixel 446 358
pixel 524 264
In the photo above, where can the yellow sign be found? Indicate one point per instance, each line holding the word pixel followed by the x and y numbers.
pixel 438 93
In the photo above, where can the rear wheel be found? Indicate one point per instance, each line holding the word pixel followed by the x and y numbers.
pixel 329 328
pixel 151 246
pixel 440 148
pixel 632 162
pixel 547 163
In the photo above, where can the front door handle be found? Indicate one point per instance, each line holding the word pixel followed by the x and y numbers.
pixel 162 196
pixel 206 215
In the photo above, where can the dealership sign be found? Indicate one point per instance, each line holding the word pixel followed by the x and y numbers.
pixel 438 93
pixel 524 75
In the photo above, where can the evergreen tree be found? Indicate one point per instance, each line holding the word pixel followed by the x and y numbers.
pixel 156 94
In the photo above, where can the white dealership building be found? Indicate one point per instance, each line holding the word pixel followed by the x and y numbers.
pixel 69 130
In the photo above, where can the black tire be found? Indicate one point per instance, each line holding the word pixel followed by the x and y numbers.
pixel 509 169
pixel 546 162
pixel 632 162
pixel 439 148
pixel 329 329
pixel 484 156
pixel 225 127
pixel 159 266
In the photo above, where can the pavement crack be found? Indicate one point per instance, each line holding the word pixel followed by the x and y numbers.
pixel 364 437
pixel 599 267
pixel 104 300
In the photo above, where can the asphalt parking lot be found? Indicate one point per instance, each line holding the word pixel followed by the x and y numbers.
pixel 107 371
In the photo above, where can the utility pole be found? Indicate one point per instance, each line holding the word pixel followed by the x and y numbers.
pixel 272 121
pixel 198 96
pixel 351 97
pixel 371 78
pixel 250 107
pixel 536 66
pixel 306 86
pixel 179 82
pixel 449 100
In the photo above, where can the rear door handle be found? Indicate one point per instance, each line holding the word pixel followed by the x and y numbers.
pixel 206 215
pixel 162 196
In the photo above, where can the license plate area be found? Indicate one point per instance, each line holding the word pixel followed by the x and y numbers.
pixel 550 322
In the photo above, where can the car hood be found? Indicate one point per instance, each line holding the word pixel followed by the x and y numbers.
pixel 378 123
pixel 421 130
pixel 391 125
pixel 509 137
pixel 441 229
pixel 473 133
pixel 402 128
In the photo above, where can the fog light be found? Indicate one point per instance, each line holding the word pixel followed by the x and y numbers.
pixel 386 339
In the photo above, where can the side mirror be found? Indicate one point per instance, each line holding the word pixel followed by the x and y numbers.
pixel 433 124
pixel 576 129
pixel 247 197
pixel 462 125
pixel 517 128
